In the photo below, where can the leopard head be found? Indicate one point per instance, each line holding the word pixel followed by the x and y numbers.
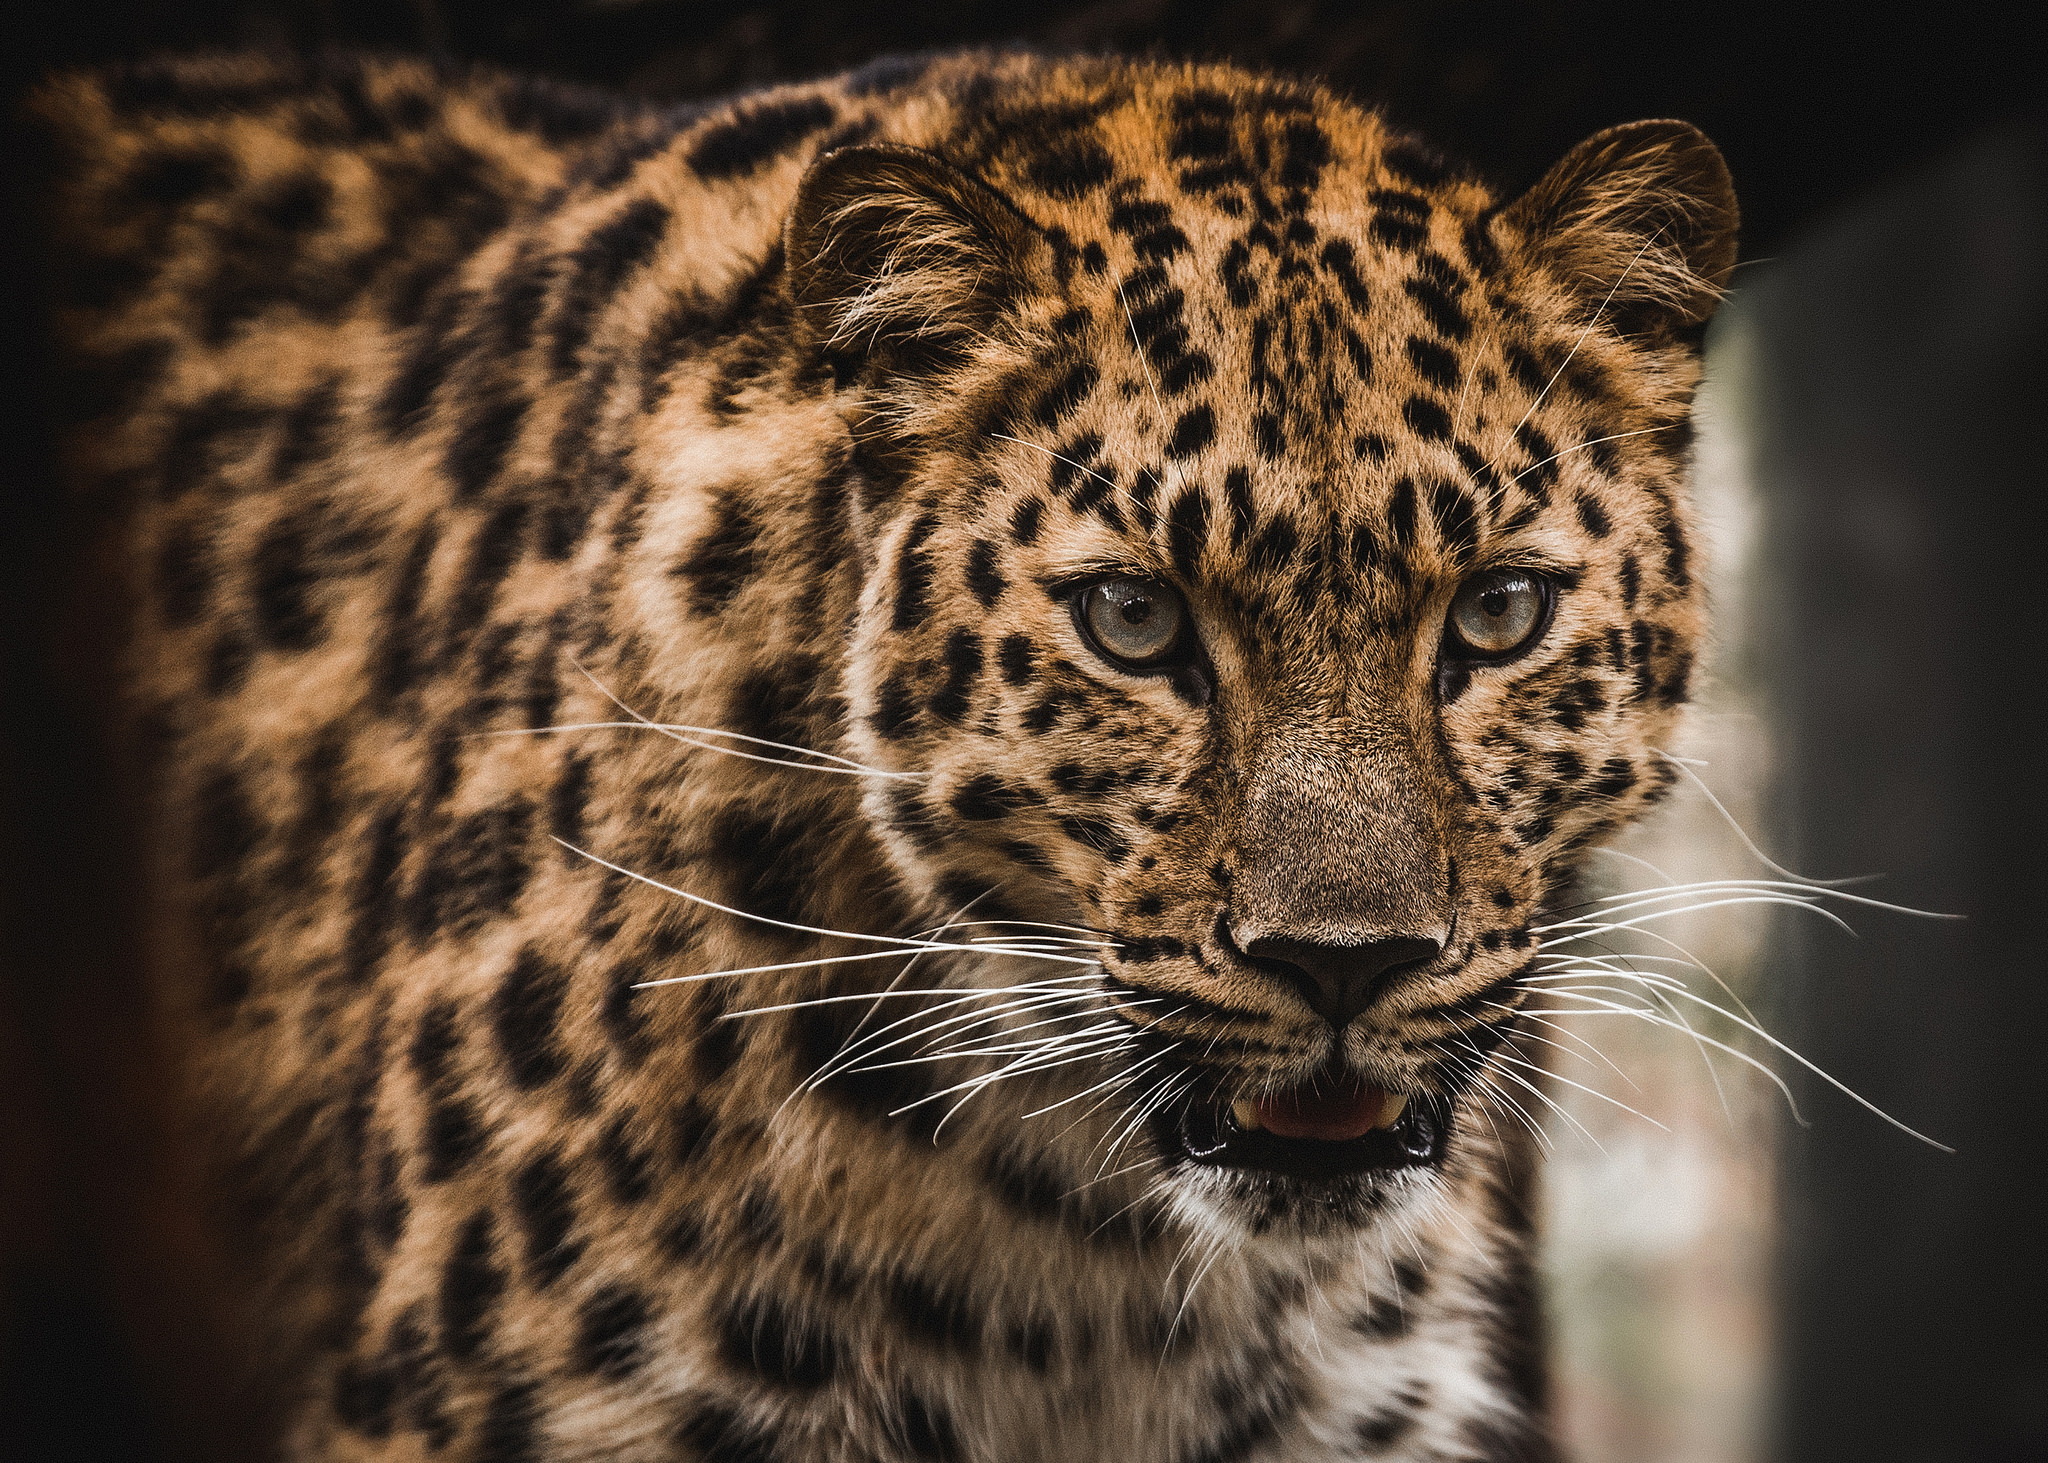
pixel 1275 572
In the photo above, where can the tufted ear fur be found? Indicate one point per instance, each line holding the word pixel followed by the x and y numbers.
pixel 892 251
pixel 1645 210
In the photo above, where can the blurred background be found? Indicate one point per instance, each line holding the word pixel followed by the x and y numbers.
pixel 1727 1283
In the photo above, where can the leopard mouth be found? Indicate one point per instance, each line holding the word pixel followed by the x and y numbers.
pixel 1321 1130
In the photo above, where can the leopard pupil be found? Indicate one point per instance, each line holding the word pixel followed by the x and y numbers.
pixel 1137 609
pixel 1494 602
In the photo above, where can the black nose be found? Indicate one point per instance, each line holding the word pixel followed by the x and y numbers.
pixel 1338 981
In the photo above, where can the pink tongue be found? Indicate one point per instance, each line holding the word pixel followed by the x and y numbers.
pixel 1334 1117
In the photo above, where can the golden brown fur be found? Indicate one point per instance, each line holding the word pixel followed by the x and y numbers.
pixel 438 410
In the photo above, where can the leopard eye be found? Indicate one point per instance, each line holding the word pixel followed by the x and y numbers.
pixel 1498 613
pixel 1133 623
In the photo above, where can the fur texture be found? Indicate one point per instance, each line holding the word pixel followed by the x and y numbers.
pixel 430 410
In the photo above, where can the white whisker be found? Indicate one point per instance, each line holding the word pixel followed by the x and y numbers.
pixel 1134 1124
pixel 1122 1079
pixel 1139 346
pixel 645 985
pixel 895 940
pixel 1100 936
pixel 886 995
pixel 951 1036
pixel 1489 1097
pixel 1655 984
pixel 1685 768
pixel 1528 1119
pixel 1758 1031
pixel 1590 326
pixel 1614 965
pixel 1581 447
pixel 676 733
pixel 1108 1141
pixel 1118 1079
pixel 1037 942
pixel 1597 1005
pixel 1582 930
pixel 970 1088
pixel 1569 1036
pixel 1465 385
pixel 865 1048
pixel 1502 1057
pixel 1013 1043
pixel 1215 1253
pixel 690 736
pixel 1077 467
pixel 1807 890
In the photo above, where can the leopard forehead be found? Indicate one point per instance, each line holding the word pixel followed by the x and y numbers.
pixel 1275 286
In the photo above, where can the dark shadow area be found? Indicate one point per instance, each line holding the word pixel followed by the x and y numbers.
pixel 1899 406
pixel 1809 108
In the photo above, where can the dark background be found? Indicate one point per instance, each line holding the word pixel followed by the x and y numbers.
pixel 1894 194
pixel 1811 103
pixel 1898 411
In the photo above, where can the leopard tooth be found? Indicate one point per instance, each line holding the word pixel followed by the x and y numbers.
pixel 1247 1114
pixel 1390 1113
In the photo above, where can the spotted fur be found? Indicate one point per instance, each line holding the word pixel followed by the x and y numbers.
pixel 427 409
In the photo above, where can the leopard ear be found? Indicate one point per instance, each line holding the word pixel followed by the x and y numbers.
pixel 1639 219
pixel 894 251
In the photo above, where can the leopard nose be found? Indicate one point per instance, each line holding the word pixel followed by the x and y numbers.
pixel 1339 981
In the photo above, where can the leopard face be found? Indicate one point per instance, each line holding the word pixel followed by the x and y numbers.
pixel 1283 590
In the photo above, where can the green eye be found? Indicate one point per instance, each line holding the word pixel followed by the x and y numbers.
pixel 1498 613
pixel 1134 623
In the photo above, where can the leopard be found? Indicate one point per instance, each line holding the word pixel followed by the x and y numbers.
pixel 871 772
